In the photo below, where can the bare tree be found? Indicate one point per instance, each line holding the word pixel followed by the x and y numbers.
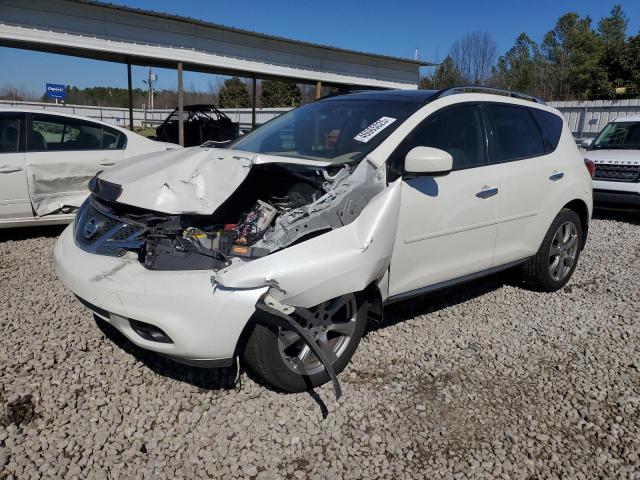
pixel 16 93
pixel 474 55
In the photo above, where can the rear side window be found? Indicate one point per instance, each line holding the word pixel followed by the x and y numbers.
pixel 11 133
pixel 112 139
pixel 551 127
pixel 49 133
pixel 516 133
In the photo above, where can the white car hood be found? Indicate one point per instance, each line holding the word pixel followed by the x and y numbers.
pixel 192 180
pixel 619 157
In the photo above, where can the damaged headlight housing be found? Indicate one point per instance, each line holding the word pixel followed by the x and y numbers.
pixel 106 190
pixel 98 230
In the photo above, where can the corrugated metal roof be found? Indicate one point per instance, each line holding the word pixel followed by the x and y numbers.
pixel 202 23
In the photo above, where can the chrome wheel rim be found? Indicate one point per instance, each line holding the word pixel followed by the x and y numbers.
pixel 563 251
pixel 331 324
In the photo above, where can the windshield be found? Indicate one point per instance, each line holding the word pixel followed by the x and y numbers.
pixel 338 131
pixel 619 136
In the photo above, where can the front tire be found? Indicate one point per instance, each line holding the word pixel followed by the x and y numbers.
pixel 552 267
pixel 280 358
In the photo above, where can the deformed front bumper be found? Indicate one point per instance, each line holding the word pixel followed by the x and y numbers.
pixel 204 323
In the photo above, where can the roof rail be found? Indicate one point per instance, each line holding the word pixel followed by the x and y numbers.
pixel 489 90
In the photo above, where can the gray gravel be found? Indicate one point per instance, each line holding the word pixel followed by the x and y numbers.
pixel 485 380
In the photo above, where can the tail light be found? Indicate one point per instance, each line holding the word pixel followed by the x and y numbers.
pixel 591 166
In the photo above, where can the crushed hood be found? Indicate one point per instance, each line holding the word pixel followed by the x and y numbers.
pixel 193 180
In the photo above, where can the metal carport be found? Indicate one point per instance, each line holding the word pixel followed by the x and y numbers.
pixel 127 35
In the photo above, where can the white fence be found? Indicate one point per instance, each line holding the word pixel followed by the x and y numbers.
pixel 142 117
pixel 585 118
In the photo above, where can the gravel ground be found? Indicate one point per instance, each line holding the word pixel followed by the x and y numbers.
pixel 483 380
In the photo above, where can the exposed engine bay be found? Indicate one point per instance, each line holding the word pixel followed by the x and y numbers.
pixel 276 206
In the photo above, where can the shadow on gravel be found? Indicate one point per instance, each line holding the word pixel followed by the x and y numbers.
pixel 205 378
pixel 24 233
pixel 629 216
pixel 449 297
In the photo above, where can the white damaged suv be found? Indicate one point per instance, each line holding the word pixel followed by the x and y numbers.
pixel 279 248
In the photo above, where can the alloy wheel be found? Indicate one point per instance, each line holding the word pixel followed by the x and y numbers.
pixel 563 251
pixel 331 324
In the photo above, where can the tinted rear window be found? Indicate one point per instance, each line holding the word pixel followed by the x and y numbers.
pixel 516 133
pixel 551 127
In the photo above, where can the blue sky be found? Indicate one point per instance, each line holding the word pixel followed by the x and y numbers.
pixel 393 28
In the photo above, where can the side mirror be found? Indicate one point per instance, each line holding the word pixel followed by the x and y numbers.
pixel 586 143
pixel 428 161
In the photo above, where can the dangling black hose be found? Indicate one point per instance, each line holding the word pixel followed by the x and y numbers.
pixel 283 320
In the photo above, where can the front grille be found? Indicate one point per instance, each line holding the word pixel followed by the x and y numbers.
pixel 98 230
pixel 617 173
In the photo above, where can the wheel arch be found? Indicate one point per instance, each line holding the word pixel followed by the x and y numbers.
pixel 371 295
pixel 581 208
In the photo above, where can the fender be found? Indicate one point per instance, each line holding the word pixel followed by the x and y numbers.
pixel 338 262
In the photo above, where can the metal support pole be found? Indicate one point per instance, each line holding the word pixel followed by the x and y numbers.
pixel 253 104
pixel 130 95
pixel 318 89
pixel 180 106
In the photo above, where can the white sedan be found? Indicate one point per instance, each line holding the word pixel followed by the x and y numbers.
pixel 48 158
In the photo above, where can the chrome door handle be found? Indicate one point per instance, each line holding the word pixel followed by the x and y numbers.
pixel 487 193
pixel 556 176
pixel 9 169
pixel 107 163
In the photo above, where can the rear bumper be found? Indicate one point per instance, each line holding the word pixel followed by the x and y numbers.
pixel 203 323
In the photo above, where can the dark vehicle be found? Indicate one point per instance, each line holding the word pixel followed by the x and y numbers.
pixel 201 123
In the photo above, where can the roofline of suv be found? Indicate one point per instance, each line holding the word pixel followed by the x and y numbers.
pixel 451 91
pixel 490 90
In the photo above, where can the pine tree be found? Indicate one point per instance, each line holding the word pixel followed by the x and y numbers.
pixel 234 94
pixel 276 93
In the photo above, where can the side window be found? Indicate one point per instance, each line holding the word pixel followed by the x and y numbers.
pixel 11 133
pixel 44 133
pixel 112 139
pixel 457 130
pixel 49 133
pixel 84 136
pixel 551 127
pixel 516 133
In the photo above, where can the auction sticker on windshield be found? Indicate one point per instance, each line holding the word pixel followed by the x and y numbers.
pixel 375 128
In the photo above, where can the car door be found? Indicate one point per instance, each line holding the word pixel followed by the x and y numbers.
pixel 447 224
pixel 63 154
pixel 14 195
pixel 528 172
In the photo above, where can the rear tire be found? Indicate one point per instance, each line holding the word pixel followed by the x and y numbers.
pixel 552 267
pixel 273 363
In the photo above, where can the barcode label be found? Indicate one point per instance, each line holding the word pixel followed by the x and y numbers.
pixel 372 130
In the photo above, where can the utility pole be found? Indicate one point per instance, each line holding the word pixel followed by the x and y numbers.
pixel 151 79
